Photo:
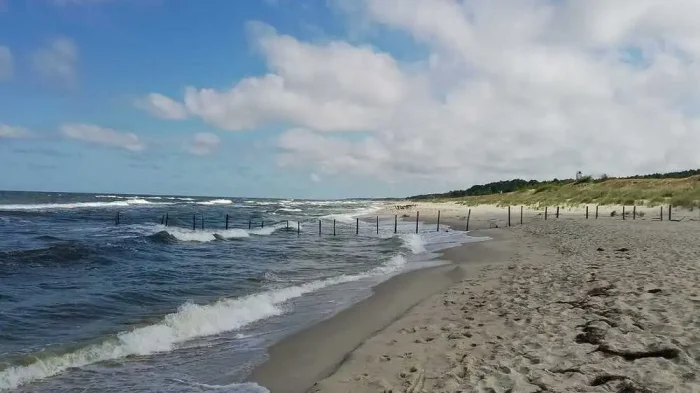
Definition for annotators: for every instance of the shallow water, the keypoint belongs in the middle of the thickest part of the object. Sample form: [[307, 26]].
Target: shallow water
[[87, 305]]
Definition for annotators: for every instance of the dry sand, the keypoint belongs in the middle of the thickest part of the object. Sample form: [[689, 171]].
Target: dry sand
[[489, 216], [555, 306]]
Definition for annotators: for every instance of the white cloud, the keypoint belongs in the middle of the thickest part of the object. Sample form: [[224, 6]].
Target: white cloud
[[203, 143], [57, 61], [13, 132], [314, 177], [103, 136], [510, 88], [6, 63], [163, 107]]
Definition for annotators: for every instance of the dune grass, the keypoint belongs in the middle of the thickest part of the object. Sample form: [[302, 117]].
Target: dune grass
[[683, 192]]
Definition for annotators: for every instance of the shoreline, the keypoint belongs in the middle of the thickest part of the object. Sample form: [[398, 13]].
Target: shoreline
[[298, 361]]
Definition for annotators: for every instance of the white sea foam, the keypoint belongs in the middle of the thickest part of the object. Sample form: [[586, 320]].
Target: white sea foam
[[247, 387], [286, 209], [189, 322], [137, 201], [79, 205], [350, 217], [187, 235], [216, 202], [269, 230], [415, 242]]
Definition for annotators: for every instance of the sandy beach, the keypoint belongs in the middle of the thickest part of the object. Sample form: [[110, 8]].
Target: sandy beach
[[567, 305]]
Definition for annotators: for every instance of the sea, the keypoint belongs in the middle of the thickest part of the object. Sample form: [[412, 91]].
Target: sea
[[143, 293]]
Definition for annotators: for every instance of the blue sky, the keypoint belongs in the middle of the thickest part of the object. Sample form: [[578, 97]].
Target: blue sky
[[127, 49], [341, 98]]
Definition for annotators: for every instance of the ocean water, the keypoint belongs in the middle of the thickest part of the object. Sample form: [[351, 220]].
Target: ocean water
[[87, 305]]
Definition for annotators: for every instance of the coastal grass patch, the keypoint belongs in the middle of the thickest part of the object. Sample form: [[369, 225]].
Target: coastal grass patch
[[683, 192]]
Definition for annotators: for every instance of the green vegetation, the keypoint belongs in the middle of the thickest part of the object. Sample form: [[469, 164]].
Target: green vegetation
[[676, 188]]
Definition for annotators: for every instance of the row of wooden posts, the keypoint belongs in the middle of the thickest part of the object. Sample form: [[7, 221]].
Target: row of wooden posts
[[166, 217], [165, 220]]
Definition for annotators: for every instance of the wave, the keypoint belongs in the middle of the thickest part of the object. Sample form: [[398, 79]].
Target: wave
[[80, 205], [174, 234], [216, 202], [415, 242], [269, 230], [246, 387], [286, 209], [67, 252], [350, 216], [171, 234], [190, 321]]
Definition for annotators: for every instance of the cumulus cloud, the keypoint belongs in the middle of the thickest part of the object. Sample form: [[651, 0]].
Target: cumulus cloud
[[103, 136], [510, 88], [6, 64], [163, 107], [57, 61], [13, 132], [203, 144]]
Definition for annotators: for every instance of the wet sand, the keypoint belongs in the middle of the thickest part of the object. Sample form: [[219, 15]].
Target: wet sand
[[298, 361]]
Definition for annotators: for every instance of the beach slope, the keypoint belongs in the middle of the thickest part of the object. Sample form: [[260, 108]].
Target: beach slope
[[576, 306]]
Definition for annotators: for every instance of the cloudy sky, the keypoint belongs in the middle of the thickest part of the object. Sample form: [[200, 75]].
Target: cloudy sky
[[342, 98]]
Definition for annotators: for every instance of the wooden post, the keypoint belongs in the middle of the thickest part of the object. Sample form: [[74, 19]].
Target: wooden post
[[469, 214], [377, 225], [670, 207], [287, 225], [545, 213], [396, 222], [298, 228], [227, 222], [438, 222], [634, 212], [194, 222], [162, 219], [250, 224], [319, 227], [262, 224], [586, 212], [357, 226], [508, 215], [521, 215], [596, 212], [117, 218], [417, 215], [334, 227], [202, 221], [623, 212], [661, 216], [557, 212], [166, 219]]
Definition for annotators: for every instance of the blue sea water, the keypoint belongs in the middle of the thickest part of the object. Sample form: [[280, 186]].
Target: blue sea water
[[97, 294]]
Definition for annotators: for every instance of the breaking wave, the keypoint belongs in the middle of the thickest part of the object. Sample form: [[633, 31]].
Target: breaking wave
[[216, 202], [190, 321], [80, 205]]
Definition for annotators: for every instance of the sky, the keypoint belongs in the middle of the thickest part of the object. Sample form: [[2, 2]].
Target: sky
[[342, 98]]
